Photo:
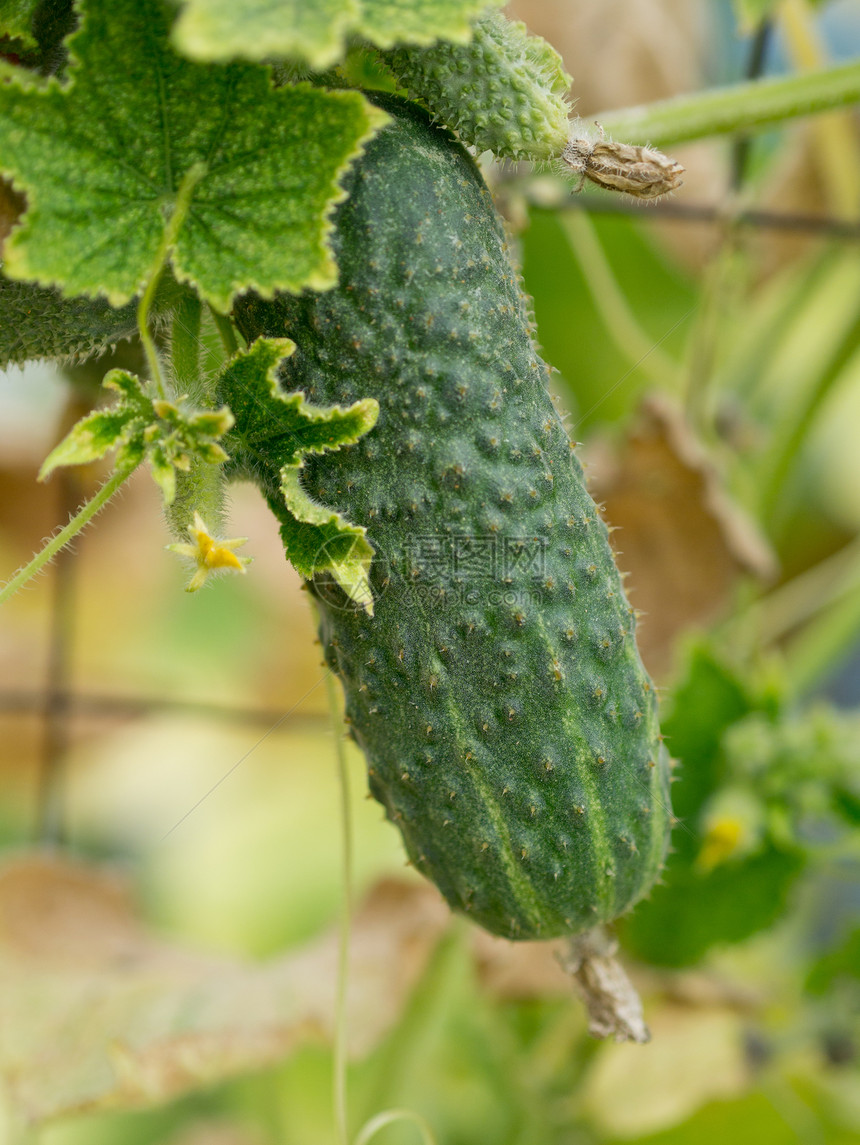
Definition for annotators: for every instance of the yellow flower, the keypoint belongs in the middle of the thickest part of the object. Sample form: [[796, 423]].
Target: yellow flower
[[211, 554], [723, 839]]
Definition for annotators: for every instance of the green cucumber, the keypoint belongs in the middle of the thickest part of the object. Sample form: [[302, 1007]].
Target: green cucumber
[[39, 322], [509, 726], [505, 91]]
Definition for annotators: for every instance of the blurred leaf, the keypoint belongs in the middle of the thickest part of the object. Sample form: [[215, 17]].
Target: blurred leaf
[[597, 375], [843, 962], [106, 160], [316, 33], [751, 1119], [695, 1056], [694, 908], [683, 540], [847, 804], [709, 698], [693, 911], [96, 1012], [274, 433], [16, 19]]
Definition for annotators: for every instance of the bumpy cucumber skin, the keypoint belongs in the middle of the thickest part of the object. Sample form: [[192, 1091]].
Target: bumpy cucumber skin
[[503, 92], [37, 322], [509, 726]]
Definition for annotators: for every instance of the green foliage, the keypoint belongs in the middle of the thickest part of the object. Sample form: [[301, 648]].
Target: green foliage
[[840, 963], [273, 435], [139, 427], [16, 20], [317, 33], [758, 785], [504, 92], [103, 161]]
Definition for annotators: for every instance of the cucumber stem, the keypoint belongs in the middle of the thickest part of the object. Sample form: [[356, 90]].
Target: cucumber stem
[[226, 330], [185, 345], [741, 107], [168, 240]]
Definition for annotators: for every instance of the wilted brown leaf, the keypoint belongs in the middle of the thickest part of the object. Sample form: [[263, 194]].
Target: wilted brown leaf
[[520, 969], [96, 1012], [679, 535]]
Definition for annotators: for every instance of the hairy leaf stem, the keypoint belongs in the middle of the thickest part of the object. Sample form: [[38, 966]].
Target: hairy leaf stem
[[168, 239], [82, 518], [226, 330]]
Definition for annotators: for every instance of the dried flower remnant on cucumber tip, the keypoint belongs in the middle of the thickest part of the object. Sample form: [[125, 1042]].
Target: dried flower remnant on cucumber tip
[[642, 172]]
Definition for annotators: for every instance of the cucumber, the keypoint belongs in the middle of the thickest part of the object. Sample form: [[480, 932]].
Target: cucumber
[[505, 91], [39, 322], [509, 727]]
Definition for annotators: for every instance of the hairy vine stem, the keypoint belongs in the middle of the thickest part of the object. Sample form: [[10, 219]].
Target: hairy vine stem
[[339, 1089], [82, 518]]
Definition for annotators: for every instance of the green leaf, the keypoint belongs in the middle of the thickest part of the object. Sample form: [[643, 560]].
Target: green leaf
[[91, 438], [103, 158], [696, 906], [841, 962], [317, 33], [707, 701], [273, 433], [692, 912], [16, 20], [167, 434]]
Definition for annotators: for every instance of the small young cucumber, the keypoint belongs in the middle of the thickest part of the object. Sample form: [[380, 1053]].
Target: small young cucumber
[[509, 726], [505, 91]]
